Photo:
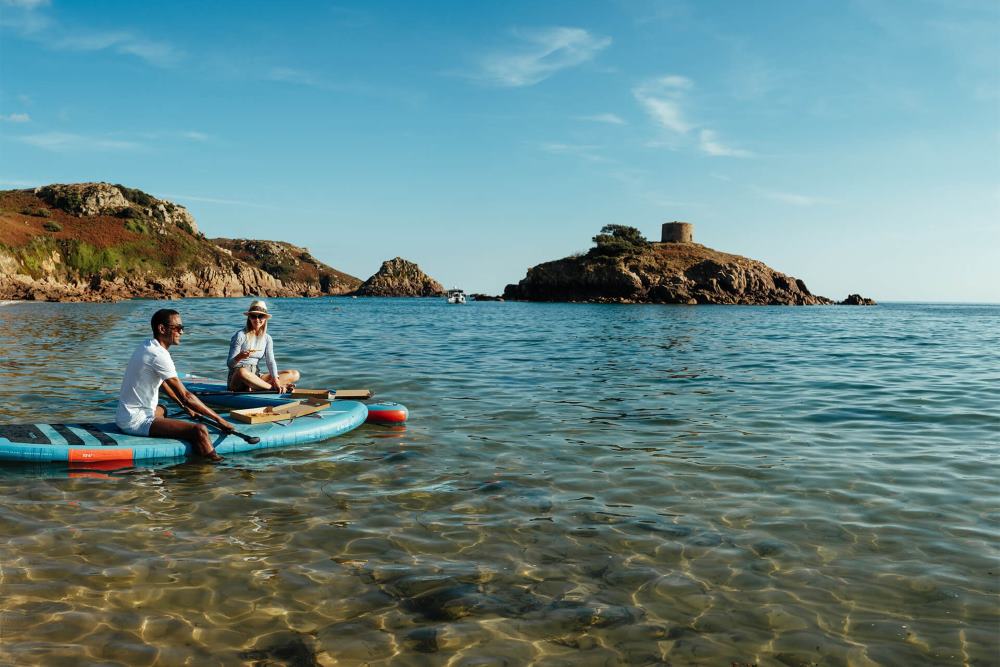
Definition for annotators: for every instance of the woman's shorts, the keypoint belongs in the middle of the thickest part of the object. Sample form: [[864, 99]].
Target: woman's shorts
[[138, 424]]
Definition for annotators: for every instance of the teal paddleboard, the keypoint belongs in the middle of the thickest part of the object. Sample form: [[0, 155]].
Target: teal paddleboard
[[84, 443]]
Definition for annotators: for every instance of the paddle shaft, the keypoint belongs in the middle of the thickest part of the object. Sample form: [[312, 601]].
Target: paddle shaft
[[238, 393], [352, 394], [252, 439]]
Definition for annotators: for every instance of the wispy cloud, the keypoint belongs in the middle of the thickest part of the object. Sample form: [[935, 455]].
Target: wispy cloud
[[24, 4], [607, 118], [542, 53], [661, 98], [709, 143], [194, 135], [216, 200], [792, 198], [296, 76], [28, 21], [664, 100], [65, 142], [16, 118], [125, 42]]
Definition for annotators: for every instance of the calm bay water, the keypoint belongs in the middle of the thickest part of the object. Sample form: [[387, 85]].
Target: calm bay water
[[578, 485]]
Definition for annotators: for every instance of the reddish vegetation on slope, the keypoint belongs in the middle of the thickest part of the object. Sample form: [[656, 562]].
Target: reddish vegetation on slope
[[17, 229]]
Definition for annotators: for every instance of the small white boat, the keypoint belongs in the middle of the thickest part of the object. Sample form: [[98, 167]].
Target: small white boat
[[456, 296]]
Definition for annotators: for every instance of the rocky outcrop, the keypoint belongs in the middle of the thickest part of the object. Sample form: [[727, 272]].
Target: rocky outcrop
[[485, 297], [679, 273], [399, 277], [98, 199], [295, 267], [102, 242], [857, 300]]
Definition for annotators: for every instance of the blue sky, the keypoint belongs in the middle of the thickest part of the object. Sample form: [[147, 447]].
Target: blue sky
[[853, 144]]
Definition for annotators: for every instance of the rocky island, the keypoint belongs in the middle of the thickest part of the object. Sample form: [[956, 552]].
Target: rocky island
[[399, 277], [623, 267]]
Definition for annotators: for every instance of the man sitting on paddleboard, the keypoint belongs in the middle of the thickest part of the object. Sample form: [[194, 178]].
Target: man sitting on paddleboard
[[139, 412], [246, 349]]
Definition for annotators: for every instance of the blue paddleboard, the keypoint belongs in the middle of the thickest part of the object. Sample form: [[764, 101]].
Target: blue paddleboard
[[82, 443]]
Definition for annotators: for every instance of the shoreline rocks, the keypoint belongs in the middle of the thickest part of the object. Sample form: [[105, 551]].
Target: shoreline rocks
[[294, 266]]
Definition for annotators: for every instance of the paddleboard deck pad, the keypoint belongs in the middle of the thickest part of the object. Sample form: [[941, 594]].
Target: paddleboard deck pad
[[85, 443], [215, 394]]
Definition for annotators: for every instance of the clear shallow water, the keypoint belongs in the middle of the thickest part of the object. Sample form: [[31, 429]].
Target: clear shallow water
[[577, 485]]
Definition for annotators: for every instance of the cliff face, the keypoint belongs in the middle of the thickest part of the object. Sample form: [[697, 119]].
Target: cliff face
[[686, 273], [295, 267], [102, 242], [399, 277]]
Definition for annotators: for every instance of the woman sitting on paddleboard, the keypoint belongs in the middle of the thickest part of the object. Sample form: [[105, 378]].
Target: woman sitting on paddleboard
[[248, 346]]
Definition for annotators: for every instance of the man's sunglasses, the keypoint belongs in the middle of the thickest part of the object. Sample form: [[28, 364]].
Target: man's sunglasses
[[178, 328]]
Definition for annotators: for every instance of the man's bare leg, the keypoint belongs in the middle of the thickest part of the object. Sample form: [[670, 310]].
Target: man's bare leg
[[196, 434]]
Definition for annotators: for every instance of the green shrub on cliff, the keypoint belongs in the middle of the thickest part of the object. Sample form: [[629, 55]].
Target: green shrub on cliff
[[136, 225], [87, 260], [136, 196], [37, 212], [617, 240], [34, 255], [52, 226], [67, 201]]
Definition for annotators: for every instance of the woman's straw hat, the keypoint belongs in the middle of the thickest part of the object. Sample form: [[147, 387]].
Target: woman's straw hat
[[258, 307]]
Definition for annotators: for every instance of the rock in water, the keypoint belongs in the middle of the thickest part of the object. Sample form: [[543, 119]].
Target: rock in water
[[399, 277], [625, 268], [858, 300]]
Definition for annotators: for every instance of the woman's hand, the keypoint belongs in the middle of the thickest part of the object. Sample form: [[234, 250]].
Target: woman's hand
[[279, 387], [244, 354]]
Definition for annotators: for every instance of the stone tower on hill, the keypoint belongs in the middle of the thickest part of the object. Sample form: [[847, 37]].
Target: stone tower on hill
[[677, 232]]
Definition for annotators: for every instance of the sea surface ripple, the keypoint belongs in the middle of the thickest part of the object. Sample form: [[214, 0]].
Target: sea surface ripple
[[577, 485]]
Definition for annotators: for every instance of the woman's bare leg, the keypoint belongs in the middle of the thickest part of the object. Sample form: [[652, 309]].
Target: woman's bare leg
[[243, 379], [288, 377]]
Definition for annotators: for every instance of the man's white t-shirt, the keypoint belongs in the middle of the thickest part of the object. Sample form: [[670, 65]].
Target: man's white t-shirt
[[149, 366]]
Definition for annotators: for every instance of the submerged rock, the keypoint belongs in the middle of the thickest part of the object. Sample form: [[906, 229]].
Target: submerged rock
[[285, 648]]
